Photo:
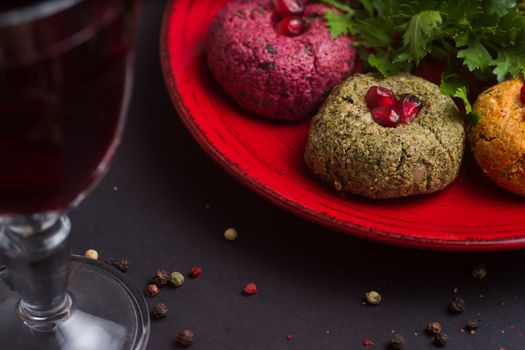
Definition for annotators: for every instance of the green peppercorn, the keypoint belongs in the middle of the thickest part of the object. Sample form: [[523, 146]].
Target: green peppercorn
[[176, 279], [372, 297]]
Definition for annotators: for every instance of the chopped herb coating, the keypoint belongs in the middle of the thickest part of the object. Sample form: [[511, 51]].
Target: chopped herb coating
[[352, 153]]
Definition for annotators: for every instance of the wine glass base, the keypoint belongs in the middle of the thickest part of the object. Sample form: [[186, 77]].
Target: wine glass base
[[107, 313]]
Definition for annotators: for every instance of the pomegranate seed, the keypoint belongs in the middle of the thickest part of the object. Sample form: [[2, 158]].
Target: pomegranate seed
[[385, 116], [378, 96], [408, 108], [289, 7], [522, 95], [291, 26]]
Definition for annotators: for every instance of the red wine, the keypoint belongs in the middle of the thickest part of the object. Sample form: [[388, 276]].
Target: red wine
[[62, 87]]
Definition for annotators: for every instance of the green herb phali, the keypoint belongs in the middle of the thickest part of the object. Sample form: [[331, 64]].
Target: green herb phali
[[486, 37]]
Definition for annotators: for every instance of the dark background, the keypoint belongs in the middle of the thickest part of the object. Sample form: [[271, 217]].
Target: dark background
[[165, 204]]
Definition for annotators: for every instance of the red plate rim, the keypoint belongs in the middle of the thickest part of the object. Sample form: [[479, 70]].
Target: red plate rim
[[361, 231]]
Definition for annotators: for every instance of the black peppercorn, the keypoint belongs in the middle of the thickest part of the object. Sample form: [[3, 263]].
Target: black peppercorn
[[479, 272], [457, 305], [434, 328], [161, 278], [472, 326], [121, 265], [185, 337], [159, 311], [440, 339], [397, 342]]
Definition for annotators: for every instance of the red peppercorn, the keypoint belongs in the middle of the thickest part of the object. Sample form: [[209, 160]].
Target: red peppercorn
[[250, 288], [152, 290], [368, 342], [522, 94], [289, 337], [195, 272]]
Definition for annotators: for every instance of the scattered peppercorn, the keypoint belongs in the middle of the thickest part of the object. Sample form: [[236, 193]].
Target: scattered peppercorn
[[372, 297], [176, 279], [250, 289], [91, 254], [472, 326], [161, 278], [159, 311], [195, 272], [457, 305], [152, 290], [185, 337], [121, 265], [368, 342], [440, 339], [397, 342], [230, 234], [479, 272], [434, 328]]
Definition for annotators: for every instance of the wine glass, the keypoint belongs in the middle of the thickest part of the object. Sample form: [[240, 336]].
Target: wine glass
[[64, 83]]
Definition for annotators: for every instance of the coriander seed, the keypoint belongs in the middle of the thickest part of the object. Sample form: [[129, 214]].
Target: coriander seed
[[479, 272], [185, 337], [161, 278], [397, 342], [434, 328], [372, 297], [230, 234], [159, 311], [91, 254], [457, 305], [176, 279], [440, 340]]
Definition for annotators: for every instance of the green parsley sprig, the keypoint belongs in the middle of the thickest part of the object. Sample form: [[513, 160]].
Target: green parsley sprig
[[487, 37]]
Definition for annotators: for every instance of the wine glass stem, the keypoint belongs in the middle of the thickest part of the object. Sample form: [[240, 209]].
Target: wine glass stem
[[37, 252]]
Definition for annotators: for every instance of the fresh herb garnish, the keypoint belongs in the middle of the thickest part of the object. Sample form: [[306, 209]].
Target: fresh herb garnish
[[486, 37]]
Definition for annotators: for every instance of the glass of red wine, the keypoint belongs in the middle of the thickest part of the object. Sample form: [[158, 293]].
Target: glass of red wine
[[65, 75]]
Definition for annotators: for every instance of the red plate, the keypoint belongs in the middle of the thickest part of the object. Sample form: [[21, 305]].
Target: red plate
[[472, 214]]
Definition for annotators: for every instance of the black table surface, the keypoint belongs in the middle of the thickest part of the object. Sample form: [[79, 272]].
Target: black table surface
[[165, 205]]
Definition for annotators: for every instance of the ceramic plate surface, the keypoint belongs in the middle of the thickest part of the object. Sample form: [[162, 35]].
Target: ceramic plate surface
[[472, 214]]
